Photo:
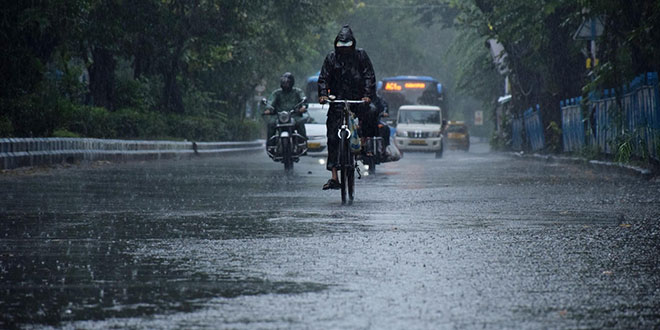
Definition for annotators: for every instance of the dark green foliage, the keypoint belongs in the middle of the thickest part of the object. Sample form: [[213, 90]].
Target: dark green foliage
[[149, 68], [89, 121], [631, 39], [197, 128], [6, 127], [545, 64]]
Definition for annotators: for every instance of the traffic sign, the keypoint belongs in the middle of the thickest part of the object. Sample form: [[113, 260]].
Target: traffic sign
[[478, 118]]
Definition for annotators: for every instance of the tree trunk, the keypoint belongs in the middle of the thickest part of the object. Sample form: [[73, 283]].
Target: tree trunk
[[172, 96], [102, 78], [142, 57]]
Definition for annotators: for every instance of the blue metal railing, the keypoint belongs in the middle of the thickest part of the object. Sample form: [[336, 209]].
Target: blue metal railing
[[606, 128], [573, 136], [534, 128], [636, 120], [516, 134]]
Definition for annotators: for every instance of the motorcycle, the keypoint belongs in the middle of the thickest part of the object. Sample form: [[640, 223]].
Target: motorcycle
[[373, 152], [286, 145]]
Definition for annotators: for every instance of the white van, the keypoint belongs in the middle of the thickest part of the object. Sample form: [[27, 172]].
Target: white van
[[419, 128], [317, 141]]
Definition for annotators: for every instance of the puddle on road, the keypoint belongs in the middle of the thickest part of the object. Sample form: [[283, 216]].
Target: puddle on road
[[171, 225], [54, 304], [47, 281], [59, 267]]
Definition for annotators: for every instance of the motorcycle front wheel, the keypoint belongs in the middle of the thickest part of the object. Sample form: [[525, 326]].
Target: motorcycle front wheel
[[286, 154]]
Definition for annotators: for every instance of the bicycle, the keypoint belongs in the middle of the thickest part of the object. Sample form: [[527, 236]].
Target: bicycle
[[346, 161]]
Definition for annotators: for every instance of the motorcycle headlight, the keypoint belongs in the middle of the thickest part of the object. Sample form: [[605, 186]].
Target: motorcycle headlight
[[401, 133], [283, 116]]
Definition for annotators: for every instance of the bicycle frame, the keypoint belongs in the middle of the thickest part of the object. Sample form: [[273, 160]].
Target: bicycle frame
[[346, 159]]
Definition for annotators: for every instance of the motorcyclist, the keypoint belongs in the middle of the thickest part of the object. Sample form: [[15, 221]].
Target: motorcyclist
[[348, 74], [284, 99]]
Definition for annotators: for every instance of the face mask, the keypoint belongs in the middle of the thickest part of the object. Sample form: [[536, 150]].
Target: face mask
[[344, 50]]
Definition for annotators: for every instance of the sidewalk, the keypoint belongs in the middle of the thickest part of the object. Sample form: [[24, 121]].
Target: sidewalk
[[646, 173]]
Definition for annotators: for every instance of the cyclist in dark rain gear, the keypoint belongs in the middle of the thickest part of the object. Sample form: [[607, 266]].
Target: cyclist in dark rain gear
[[348, 74]]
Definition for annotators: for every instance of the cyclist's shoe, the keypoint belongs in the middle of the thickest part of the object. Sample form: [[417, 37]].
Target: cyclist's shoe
[[331, 184]]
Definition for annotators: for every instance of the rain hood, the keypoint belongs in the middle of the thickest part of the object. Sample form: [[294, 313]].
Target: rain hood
[[345, 36]]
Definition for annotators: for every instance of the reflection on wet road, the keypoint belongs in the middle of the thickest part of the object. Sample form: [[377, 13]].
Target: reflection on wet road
[[471, 240]]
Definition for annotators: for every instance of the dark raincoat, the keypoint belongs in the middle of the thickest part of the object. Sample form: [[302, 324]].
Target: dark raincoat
[[349, 75]]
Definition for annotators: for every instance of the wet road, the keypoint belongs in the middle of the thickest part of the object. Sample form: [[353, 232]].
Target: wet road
[[473, 240]]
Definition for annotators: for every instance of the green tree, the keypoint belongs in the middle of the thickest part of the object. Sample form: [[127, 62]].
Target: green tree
[[630, 41]]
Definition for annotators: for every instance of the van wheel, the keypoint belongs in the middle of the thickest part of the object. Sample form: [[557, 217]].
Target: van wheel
[[438, 154]]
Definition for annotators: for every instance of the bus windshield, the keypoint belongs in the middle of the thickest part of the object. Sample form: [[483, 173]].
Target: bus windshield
[[412, 93], [312, 89]]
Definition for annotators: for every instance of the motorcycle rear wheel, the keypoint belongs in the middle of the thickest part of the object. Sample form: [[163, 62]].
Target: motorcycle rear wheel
[[371, 162]]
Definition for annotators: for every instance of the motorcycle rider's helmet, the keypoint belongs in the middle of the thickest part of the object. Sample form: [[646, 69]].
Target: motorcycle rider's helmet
[[287, 81]]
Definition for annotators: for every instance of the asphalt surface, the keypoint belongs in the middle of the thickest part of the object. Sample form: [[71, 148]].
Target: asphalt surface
[[473, 240]]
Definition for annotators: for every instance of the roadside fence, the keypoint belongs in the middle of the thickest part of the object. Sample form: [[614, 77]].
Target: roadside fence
[[534, 128], [572, 125], [20, 152], [516, 136], [527, 130], [635, 123]]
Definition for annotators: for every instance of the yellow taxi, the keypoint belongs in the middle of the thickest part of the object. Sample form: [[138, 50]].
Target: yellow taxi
[[457, 136]]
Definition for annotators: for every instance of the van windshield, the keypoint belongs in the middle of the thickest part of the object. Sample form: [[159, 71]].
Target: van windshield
[[317, 116], [419, 117]]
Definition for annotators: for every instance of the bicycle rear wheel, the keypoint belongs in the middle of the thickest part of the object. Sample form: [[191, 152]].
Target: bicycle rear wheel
[[350, 173], [343, 179]]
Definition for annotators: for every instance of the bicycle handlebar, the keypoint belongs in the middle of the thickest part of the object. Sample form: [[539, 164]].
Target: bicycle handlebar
[[345, 101]]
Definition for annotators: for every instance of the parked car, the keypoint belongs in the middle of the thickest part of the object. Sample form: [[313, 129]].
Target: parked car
[[419, 128], [317, 141], [458, 136]]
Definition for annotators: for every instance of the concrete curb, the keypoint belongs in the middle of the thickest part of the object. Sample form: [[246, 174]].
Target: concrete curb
[[640, 172], [22, 152]]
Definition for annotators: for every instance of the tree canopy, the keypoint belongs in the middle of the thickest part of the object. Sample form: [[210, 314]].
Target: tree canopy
[[198, 58], [188, 69]]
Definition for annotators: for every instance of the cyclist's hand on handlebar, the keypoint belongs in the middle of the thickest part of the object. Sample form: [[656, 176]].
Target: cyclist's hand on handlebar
[[385, 114], [323, 99], [366, 99]]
